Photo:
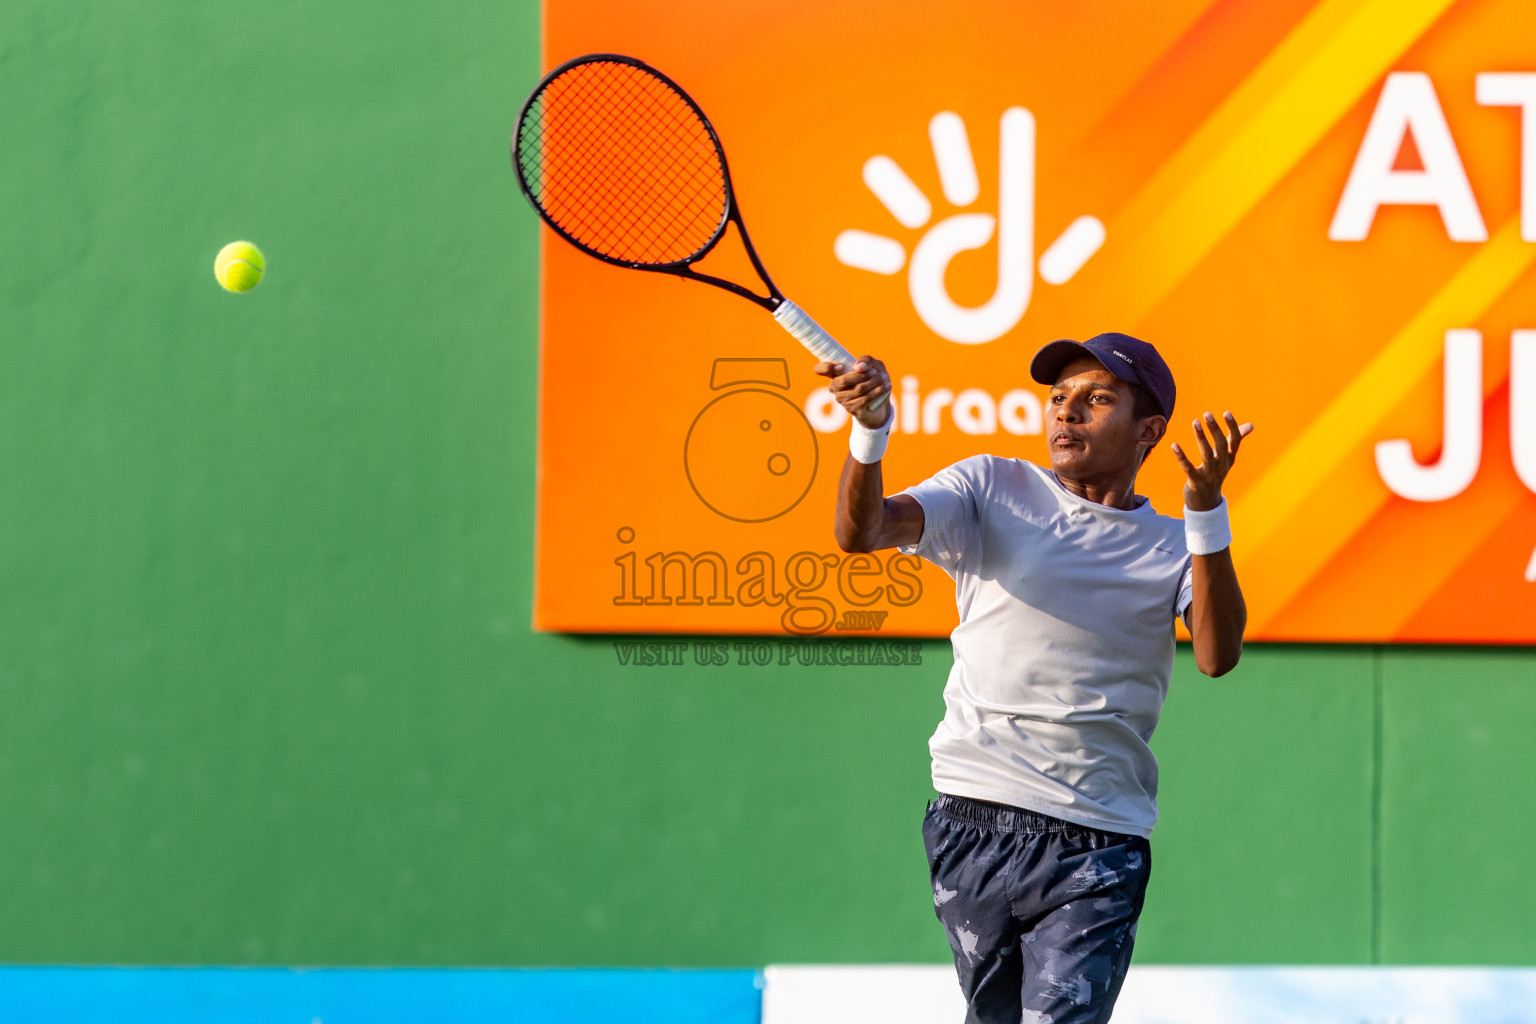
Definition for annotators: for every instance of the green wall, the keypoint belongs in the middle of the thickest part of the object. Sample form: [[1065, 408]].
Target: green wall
[[267, 689]]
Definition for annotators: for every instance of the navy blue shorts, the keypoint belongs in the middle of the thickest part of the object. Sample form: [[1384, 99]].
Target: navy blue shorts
[[1040, 913]]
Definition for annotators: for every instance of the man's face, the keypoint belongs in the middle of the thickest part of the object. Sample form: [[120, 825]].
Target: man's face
[[1090, 423]]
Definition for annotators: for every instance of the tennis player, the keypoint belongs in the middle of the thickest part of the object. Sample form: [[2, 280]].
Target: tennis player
[[1067, 583]]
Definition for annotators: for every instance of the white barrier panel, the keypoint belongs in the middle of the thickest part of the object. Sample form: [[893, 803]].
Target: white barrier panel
[[1177, 995], [861, 995]]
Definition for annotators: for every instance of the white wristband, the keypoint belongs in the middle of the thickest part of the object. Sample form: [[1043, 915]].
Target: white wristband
[[1206, 533], [868, 446]]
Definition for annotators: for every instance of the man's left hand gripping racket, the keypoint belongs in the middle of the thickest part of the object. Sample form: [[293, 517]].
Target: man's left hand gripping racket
[[625, 166]]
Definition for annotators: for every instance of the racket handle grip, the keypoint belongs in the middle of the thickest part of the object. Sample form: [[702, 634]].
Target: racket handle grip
[[811, 334], [815, 338]]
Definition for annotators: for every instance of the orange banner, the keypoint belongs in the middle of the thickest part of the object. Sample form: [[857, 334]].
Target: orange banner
[[1322, 213]]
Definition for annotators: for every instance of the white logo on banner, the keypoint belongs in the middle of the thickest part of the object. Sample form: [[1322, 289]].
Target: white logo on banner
[[1014, 225]]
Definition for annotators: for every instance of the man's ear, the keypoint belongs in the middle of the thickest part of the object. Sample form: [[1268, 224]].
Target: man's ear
[[1151, 431]]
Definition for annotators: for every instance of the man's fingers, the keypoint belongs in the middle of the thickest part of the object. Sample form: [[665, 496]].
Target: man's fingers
[[1178, 453], [867, 365], [1218, 437], [1206, 454], [1236, 432], [848, 381], [867, 386], [863, 364], [851, 376]]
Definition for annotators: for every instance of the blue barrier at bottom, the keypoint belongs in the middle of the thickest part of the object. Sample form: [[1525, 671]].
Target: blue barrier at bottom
[[330, 995]]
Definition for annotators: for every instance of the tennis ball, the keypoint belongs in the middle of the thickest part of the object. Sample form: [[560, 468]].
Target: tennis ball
[[239, 266]]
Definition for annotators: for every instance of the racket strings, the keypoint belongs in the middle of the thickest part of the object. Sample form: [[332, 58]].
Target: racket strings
[[623, 164], [673, 217], [677, 206]]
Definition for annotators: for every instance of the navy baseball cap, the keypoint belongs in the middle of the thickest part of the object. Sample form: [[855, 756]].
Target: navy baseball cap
[[1128, 358]]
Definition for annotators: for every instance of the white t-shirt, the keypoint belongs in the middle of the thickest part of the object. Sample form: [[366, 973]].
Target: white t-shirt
[[1065, 643]]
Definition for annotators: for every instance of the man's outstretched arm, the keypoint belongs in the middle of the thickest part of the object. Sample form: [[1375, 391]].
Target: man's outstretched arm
[[866, 519], [1217, 614]]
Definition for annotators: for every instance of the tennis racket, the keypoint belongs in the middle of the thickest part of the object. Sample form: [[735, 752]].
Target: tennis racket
[[624, 165]]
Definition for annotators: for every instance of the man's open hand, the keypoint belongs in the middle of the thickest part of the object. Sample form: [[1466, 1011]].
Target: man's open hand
[[859, 386], [1202, 484]]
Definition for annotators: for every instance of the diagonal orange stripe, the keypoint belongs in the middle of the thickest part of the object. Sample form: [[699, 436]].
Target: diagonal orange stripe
[[1287, 550], [1506, 544], [1376, 390], [1270, 122], [1440, 536], [1450, 550], [1158, 112], [1181, 24]]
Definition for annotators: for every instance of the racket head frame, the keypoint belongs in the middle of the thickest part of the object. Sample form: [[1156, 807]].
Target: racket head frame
[[678, 268]]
